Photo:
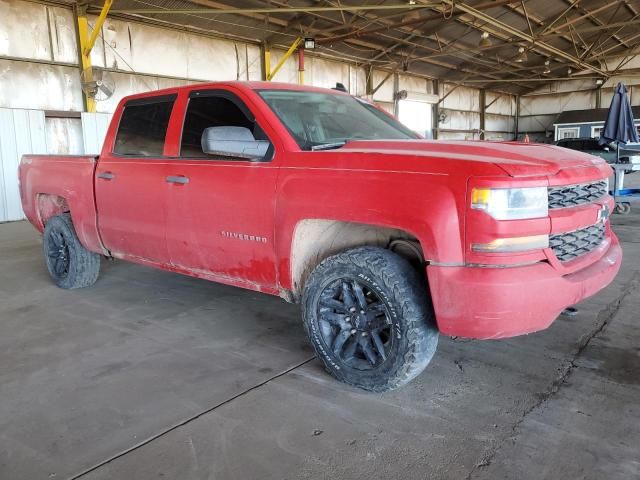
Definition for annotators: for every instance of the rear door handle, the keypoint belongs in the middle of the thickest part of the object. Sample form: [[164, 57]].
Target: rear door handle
[[106, 175], [177, 179]]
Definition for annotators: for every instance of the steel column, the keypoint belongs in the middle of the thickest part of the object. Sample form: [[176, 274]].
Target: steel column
[[286, 56], [483, 109], [87, 42], [301, 66]]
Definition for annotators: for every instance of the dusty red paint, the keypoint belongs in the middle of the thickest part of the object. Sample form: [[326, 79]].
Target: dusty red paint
[[50, 206], [418, 186]]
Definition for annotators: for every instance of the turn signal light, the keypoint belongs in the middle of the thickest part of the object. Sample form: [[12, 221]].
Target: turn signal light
[[514, 244]]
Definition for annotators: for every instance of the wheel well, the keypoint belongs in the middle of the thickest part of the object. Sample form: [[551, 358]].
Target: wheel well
[[51, 205], [314, 240]]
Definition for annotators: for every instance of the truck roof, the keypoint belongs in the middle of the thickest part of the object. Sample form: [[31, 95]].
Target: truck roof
[[246, 85]]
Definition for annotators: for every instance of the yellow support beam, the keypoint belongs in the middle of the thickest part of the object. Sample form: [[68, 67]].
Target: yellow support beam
[[83, 34], [301, 66], [97, 27], [267, 63], [292, 48], [87, 42]]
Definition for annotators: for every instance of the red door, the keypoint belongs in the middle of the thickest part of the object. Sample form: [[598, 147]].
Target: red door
[[130, 182], [220, 210]]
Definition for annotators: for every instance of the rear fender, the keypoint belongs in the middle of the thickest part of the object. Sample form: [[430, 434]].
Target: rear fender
[[55, 184], [50, 206]]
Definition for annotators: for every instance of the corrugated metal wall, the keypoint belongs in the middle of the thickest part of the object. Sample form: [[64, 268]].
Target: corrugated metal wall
[[540, 109], [94, 129], [143, 57], [460, 114], [64, 136], [28, 131], [23, 131]]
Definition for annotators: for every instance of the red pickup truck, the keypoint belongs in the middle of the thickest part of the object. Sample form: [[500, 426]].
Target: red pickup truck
[[319, 197]]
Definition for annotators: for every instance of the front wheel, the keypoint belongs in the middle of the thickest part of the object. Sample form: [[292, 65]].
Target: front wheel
[[369, 318], [69, 263]]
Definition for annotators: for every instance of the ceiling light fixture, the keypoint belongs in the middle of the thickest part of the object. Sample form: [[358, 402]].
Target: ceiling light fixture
[[309, 43], [546, 66], [485, 41], [522, 55]]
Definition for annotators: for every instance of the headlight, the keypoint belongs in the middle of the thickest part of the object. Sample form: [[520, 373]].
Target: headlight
[[511, 203]]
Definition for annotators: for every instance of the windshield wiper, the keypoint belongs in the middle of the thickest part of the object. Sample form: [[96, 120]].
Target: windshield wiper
[[328, 146]]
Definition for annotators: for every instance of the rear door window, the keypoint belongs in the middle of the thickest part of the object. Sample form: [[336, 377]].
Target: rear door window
[[143, 127]]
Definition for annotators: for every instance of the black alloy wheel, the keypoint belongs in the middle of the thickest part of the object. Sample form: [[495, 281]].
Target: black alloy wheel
[[369, 317], [354, 324], [70, 265], [58, 253]]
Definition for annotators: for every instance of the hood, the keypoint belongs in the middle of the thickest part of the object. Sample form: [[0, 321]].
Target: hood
[[516, 159]]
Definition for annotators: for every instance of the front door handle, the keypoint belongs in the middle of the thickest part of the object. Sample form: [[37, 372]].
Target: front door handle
[[177, 179], [106, 175]]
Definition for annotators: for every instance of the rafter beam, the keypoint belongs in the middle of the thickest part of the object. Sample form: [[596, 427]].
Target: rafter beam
[[591, 15], [609, 26], [542, 23], [537, 44], [362, 32], [269, 10], [586, 14]]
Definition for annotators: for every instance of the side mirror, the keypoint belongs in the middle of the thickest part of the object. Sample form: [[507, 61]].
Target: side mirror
[[233, 142]]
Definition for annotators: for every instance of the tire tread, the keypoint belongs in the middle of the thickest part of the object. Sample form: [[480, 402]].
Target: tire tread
[[86, 265], [410, 293]]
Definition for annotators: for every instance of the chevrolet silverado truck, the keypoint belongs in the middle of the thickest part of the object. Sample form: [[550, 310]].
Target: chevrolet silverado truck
[[385, 239]]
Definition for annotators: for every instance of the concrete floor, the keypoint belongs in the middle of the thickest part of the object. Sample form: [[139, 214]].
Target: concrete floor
[[154, 375]]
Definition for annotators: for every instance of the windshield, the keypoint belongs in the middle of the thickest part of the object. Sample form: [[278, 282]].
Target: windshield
[[323, 120]]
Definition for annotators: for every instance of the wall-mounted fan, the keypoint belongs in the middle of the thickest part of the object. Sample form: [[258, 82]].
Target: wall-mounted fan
[[97, 83]]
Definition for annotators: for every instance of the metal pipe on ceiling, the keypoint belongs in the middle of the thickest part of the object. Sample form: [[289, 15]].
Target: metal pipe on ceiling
[[526, 80], [608, 26], [536, 43], [406, 23], [244, 11]]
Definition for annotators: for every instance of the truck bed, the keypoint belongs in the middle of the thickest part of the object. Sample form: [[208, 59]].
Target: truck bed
[[53, 184]]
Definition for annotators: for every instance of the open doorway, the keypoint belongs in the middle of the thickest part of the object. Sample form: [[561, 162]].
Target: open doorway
[[417, 116]]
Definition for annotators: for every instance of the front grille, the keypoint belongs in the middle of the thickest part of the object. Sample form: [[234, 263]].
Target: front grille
[[572, 195], [570, 245]]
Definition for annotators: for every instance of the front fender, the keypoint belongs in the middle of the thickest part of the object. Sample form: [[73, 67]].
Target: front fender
[[423, 205]]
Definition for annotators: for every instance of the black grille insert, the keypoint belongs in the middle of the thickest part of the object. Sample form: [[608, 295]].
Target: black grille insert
[[572, 195], [570, 245]]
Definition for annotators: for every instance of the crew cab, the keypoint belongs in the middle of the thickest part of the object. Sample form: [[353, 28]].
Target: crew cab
[[385, 239]]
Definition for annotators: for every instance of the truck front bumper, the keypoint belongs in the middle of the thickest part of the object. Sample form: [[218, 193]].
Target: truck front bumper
[[490, 302]]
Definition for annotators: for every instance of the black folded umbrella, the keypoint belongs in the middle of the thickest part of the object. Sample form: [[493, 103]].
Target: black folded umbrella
[[619, 127]]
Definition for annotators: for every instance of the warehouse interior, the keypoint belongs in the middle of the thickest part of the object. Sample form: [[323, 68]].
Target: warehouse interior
[[150, 374]]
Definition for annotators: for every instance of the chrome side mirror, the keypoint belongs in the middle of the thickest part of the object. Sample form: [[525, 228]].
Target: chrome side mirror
[[236, 142]]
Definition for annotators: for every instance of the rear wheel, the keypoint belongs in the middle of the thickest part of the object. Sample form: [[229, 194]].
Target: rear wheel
[[369, 318], [69, 263]]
